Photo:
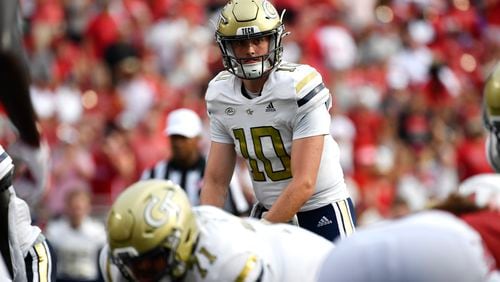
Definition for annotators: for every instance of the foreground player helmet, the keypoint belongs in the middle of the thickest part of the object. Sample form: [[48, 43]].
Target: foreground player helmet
[[152, 231], [491, 114], [250, 19]]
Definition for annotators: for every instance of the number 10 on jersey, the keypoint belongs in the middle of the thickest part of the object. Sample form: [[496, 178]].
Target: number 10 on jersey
[[257, 135]]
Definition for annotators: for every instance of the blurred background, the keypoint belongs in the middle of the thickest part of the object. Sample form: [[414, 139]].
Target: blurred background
[[406, 78]]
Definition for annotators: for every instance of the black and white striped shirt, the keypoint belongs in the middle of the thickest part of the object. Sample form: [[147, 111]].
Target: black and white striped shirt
[[191, 180]]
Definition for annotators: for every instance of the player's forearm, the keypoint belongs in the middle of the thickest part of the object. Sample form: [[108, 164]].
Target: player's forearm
[[290, 201], [213, 194]]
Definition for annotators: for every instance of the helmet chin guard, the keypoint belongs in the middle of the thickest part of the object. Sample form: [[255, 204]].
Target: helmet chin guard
[[251, 70]]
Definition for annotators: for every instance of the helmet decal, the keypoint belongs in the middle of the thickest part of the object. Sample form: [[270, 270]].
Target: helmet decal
[[247, 30], [165, 208], [269, 10]]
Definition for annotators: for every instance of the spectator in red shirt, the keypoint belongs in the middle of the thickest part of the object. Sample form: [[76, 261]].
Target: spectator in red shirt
[[102, 31], [471, 156]]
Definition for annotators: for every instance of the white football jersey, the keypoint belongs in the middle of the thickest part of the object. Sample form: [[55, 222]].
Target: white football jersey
[[4, 273], [79, 249], [426, 246], [231, 248], [293, 104]]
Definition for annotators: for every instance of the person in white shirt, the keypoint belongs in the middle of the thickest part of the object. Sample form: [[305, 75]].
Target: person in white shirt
[[275, 115], [154, 234], [77, 238]]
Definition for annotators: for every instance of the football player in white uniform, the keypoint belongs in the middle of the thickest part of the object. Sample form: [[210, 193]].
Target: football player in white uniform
[[24, 249], [426, 246], [275, 115], [491, 114], [155, 235]]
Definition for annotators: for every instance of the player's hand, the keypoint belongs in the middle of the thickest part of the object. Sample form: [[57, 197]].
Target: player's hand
[[32, 170], [265, 221], [293, 221]]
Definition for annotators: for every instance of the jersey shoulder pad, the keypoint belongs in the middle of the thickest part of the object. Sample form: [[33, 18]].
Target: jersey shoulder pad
[[220, 83], [305, 79], [309, 87]]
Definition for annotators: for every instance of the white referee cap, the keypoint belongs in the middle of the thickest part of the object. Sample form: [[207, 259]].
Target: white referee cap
[[184, 122]]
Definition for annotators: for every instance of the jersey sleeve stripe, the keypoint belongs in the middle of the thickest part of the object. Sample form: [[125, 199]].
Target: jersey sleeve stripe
[[304, 81], [43, 261], [311, 94], [247, 269]]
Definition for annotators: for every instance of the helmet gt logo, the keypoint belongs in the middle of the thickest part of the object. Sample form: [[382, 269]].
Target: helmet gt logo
[[165, 207]]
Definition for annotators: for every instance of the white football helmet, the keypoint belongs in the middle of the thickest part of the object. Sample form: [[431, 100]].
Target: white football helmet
[[249, 19]]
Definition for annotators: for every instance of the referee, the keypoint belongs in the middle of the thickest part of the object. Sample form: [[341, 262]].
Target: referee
[[187, 165]]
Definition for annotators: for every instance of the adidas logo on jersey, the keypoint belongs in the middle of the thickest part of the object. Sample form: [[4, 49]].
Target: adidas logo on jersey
[[324, 221], [270, 107]]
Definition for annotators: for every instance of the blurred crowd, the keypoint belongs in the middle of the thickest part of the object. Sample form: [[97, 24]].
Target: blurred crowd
[[405, 75]]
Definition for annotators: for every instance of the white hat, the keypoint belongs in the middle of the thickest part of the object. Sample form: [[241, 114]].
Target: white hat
[[183, 122]]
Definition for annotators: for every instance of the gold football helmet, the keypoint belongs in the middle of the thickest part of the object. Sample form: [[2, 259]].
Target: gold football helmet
[[491, 116], [250, 19], [152, 231]]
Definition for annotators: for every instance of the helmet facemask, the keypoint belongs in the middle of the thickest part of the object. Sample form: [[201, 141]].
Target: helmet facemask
[[158, 264], [266, 62]]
